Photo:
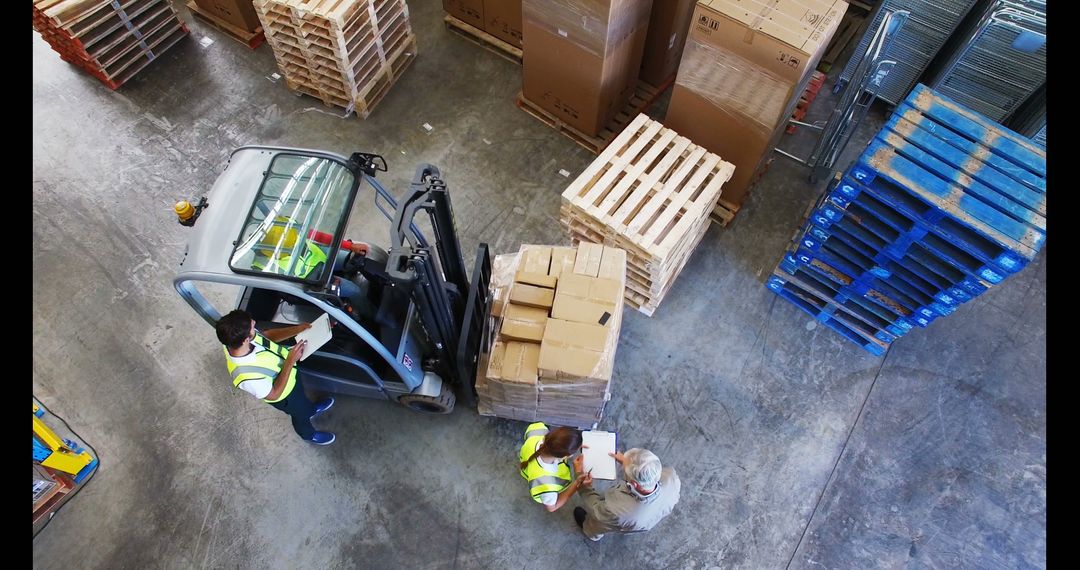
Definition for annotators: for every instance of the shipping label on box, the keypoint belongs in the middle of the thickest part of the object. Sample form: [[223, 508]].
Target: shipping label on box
[[523, 323], [585, 299]]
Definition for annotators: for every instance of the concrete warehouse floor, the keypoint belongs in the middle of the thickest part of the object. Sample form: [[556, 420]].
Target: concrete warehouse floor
[[796, 448]]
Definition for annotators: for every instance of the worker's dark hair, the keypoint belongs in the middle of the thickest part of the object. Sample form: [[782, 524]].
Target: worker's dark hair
[[559, 442], [233, 329]]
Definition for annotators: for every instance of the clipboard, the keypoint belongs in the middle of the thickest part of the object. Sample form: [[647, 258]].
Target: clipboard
[[595, 456], [318, 335]]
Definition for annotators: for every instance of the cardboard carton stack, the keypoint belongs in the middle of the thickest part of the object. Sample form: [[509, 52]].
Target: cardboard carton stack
[[500, 18], [111, 41], [348, 53], [582, 58], [668, 26], [650, 192], [745, 64], [557, 314]]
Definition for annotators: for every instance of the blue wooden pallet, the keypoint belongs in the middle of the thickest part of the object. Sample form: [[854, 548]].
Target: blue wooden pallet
[[912, 269], [1018, 205], [837, 270], [912, 190], [848, 268], [887, 324], [905, 239], [912, 251], [1005, 178], [995, 139], [825, 314], [987, 259]]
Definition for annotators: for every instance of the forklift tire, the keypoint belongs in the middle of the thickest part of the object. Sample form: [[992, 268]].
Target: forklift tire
[[441, 404]]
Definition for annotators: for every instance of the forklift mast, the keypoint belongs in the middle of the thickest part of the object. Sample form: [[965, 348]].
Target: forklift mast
[[437, 281]]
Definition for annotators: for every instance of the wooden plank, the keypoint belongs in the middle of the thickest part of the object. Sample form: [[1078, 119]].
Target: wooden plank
[[250, 39], [483, 39]]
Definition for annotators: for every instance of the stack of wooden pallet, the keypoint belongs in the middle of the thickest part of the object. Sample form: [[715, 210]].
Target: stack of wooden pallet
[[345, 52], [941, 206], [111, 40], [650, 193]]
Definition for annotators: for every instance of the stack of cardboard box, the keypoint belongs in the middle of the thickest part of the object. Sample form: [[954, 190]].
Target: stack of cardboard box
[[582, 58], [557, 314], [745, 64], [500, 18], [668, 26]]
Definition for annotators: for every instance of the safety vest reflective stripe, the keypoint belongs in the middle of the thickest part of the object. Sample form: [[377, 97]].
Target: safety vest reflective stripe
[[312, 256], [268, 364], [536, 432], [548, 480], [252, 370]]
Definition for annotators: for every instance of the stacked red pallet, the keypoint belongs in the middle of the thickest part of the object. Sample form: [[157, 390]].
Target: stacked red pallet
[[113, 40]]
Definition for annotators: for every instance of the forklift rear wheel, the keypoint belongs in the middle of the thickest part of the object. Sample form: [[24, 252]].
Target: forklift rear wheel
[[441, 404]]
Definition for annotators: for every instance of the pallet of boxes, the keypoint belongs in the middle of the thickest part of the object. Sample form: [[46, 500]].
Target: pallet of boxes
[[556, 314], [745, 65]]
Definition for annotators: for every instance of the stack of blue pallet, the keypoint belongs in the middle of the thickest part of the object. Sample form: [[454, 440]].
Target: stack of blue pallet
[[942, 205]]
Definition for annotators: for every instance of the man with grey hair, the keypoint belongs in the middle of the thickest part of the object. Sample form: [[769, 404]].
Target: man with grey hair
[[647, 494]]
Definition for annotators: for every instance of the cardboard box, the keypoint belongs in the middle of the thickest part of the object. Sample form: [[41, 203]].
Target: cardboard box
[[668, 27], [562, 259], [469, 11], [535, 259], [585, 299], [588, 259], [538, 279], [495, 360], [523, 323], [520, 362], [581, 59], [531, 295], [745, 64], [239, 13], [502, 19], [573, 350], [613, 264]]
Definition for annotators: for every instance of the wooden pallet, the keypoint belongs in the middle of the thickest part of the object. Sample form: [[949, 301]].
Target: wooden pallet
[[347, 53], [250, 39], [110, 41], [651, 193], [641, 101], [483, 39]]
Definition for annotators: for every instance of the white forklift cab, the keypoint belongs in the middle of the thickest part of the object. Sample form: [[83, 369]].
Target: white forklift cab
[[407, 323]]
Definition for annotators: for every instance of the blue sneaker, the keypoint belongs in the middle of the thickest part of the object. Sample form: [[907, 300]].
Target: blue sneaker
[[323, 438], [323, 406]]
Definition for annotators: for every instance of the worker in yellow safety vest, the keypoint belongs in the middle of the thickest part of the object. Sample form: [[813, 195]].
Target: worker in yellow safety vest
[[282, 237], [265, 369], [543, 459]]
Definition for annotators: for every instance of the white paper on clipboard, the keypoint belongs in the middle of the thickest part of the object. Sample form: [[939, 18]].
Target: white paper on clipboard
[[318, 335], [596, 457]]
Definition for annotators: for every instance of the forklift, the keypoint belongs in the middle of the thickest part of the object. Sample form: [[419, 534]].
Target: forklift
[[407, 323]]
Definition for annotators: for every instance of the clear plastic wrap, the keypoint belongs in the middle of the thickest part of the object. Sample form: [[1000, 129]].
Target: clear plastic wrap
[[589, 24], [734, 84], [557, 397]]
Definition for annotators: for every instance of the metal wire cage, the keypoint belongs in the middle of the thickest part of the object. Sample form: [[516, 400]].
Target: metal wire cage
[[1001, 61]]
